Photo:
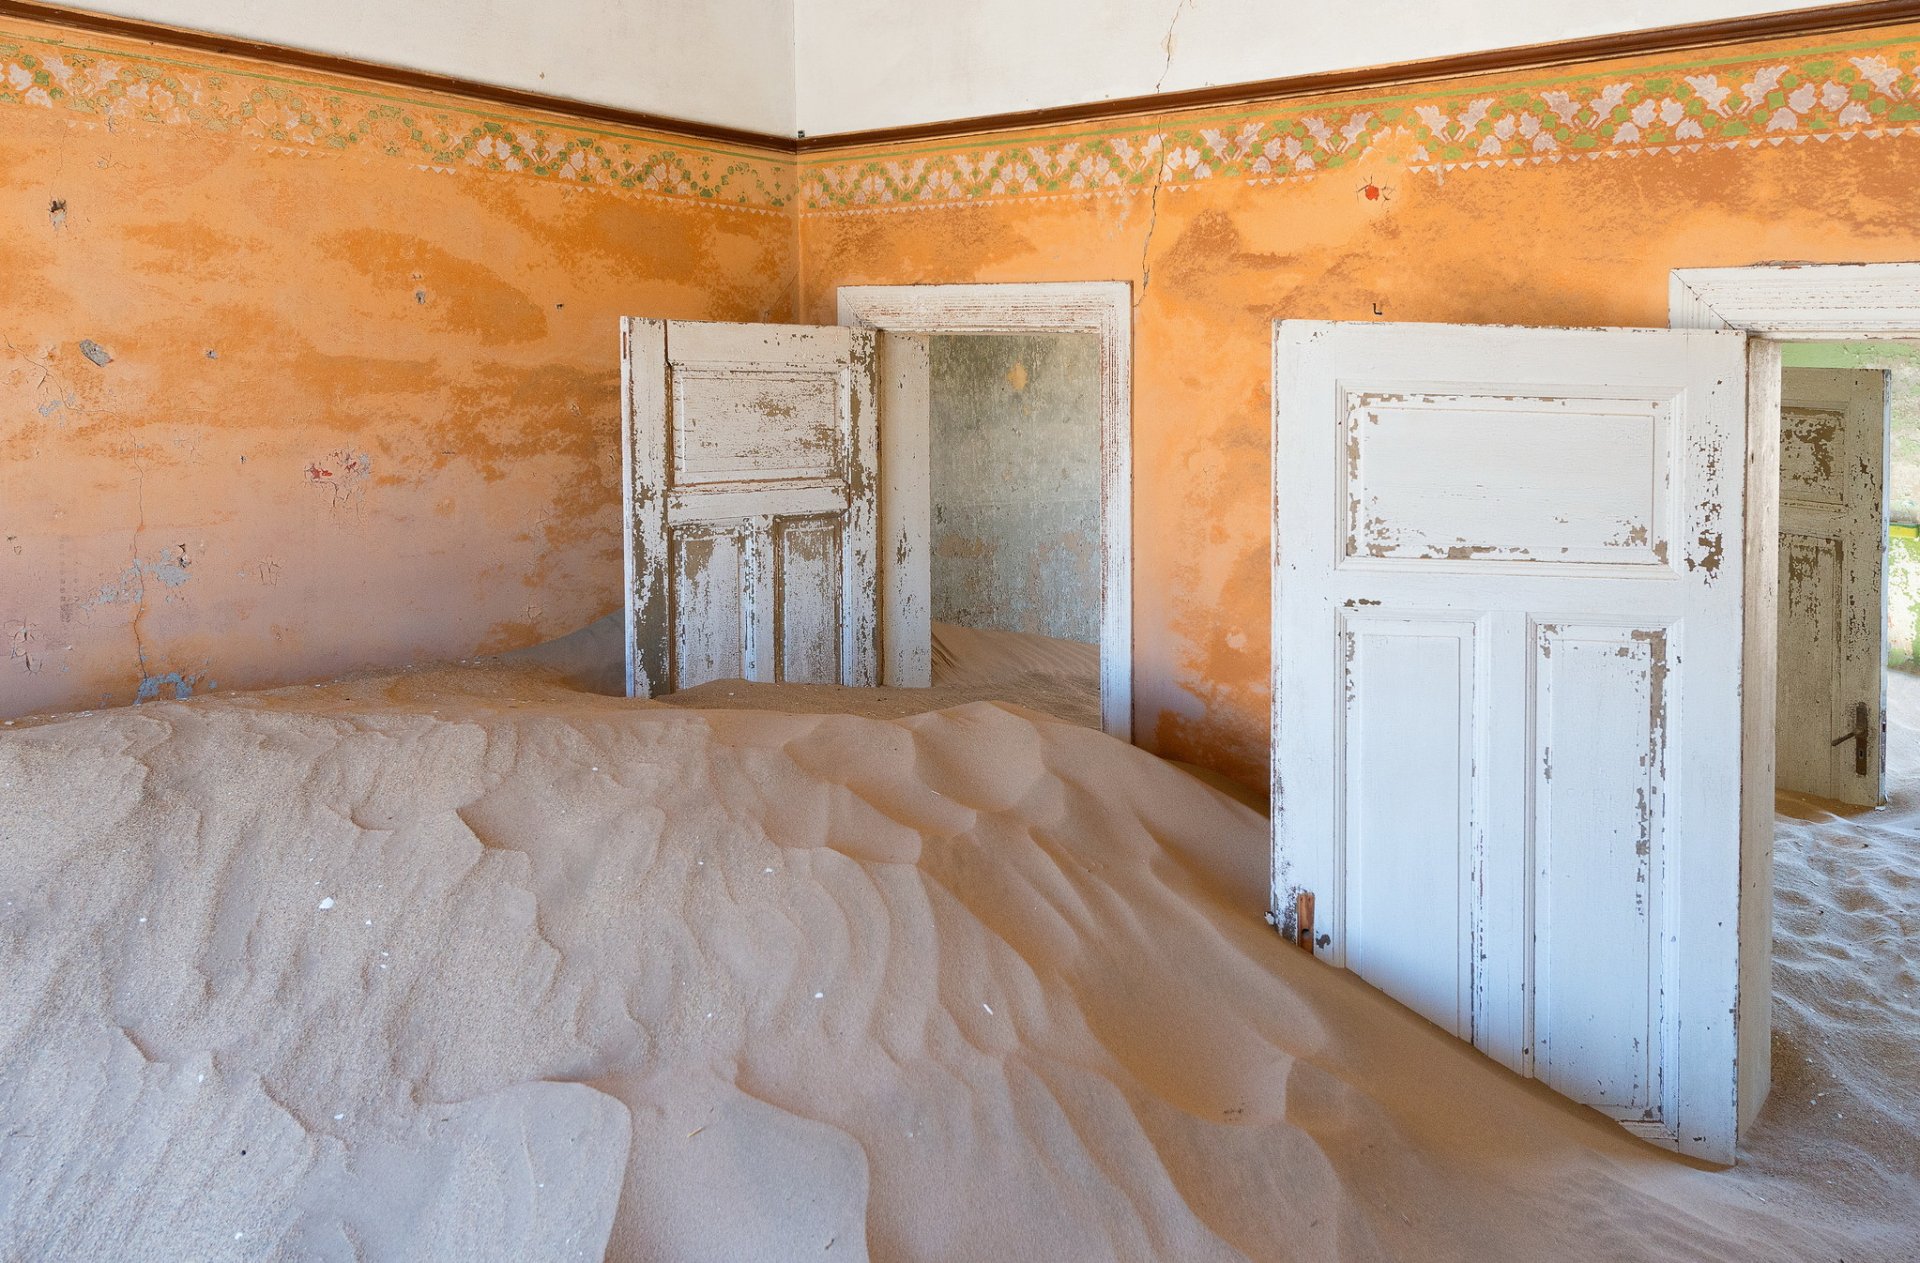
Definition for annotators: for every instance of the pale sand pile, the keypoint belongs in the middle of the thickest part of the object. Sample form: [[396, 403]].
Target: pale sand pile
[[465, 964], [1842, 1125]]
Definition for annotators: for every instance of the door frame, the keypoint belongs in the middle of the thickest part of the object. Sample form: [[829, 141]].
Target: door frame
[[1774, 303], [1102, 308]]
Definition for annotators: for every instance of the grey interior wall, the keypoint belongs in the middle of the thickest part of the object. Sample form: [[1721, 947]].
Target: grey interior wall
[[1016, 483]]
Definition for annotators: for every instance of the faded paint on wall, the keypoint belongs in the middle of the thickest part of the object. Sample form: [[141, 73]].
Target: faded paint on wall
[[1015, 430], [280, 272], [1563, 198], [303, 377]]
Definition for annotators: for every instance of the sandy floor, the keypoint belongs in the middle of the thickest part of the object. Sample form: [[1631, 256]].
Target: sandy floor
[[469, 964], [1056, 677], [1841, 1129]]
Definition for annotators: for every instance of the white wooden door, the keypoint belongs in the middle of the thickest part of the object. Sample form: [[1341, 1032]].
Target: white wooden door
[[1831, 720], [1507, 607], [749, 457]]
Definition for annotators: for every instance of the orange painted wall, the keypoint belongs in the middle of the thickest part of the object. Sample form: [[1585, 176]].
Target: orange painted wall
[[361, 403], [360, 409], [1430, 208]]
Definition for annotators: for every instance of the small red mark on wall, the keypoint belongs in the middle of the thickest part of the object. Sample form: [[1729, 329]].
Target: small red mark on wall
[[343, 473], [1375, 192], [338, 467]]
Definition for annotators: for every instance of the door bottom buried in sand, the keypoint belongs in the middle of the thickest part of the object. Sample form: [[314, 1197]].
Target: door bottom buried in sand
[[748, 492], [1507, 720]]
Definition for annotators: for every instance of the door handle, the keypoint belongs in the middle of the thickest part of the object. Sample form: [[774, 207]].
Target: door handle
[[1862, 736]]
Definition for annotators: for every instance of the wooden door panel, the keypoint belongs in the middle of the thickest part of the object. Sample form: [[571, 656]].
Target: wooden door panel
[[808, 565], [1493, 550], [1832, 624], [733, 424], [1408, 736], [1600, 716], [709, 567], [1809, 702], [750, 456], [1578, 480]]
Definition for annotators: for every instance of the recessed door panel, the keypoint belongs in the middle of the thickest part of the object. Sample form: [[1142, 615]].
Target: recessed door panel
[[807, 574], [707, 565], [1600, 705], [1407, 814], [1577, 479], [738, 424]]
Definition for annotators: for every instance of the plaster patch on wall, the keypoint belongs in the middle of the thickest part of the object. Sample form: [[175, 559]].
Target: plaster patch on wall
[[177, 683], [131, 585]]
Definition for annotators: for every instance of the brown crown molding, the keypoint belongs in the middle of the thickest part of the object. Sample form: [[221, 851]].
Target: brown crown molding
[[380, 72], [1791, 24]]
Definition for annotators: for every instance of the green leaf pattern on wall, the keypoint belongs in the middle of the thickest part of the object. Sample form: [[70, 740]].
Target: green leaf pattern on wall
[[97, 87], [1867, 91]]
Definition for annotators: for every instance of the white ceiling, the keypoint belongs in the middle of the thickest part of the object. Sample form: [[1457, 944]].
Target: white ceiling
[[860, 65], [829, 66], [714, 61]]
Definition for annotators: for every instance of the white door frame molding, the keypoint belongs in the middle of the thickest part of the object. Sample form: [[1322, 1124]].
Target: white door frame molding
[[1102, 308], [1775, 303], [1799, 302]]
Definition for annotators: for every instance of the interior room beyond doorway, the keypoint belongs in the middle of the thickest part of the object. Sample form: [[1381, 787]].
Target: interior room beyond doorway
[[1016, 521], [1849, 570]]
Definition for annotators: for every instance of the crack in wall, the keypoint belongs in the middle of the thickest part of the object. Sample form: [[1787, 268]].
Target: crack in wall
[[1160, 171], [140, 578]]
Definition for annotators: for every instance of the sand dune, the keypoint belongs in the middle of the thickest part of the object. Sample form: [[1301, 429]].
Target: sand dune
[[465, 964]]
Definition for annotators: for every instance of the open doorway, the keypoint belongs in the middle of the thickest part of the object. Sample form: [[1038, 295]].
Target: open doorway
[[1096, 317], [1849, 598], [1846, 842], [1014, 445]]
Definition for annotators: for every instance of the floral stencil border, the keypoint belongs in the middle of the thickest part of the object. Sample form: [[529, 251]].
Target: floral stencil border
[[116, 88], [1861, 90]]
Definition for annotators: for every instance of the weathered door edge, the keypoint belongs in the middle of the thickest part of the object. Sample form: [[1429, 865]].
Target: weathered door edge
[[1885, 543], [1103, 308], [643, 387], [860, 654], [1759, 665], [905, 517]]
